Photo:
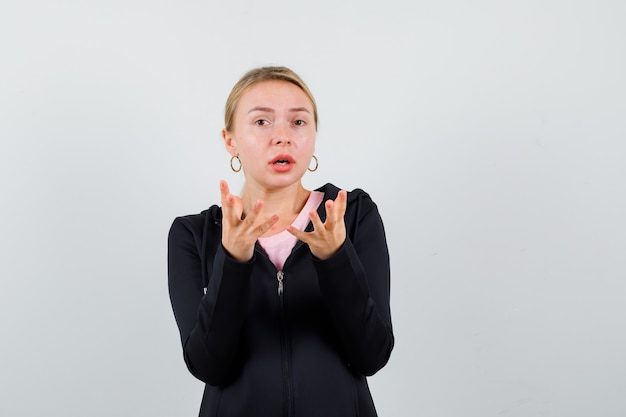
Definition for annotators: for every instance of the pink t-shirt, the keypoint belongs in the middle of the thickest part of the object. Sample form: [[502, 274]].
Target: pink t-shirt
[[279, 246]]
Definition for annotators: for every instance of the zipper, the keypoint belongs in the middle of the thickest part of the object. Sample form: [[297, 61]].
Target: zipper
[[280, 275], [286, 350], [285, 346]]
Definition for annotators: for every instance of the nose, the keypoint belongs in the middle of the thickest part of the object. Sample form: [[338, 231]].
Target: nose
[[282, 135]]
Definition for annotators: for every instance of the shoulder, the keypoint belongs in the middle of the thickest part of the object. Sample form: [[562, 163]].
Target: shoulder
[[359, 201], [356, 196], [196, 224]]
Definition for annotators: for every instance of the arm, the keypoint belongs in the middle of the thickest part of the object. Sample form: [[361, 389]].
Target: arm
[[355, 282], [209, 324]]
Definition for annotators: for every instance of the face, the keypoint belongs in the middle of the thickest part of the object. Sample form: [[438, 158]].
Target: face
[[273, 134]]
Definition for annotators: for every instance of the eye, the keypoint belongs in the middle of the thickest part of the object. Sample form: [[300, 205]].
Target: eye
[[261, 122], [299, 123]]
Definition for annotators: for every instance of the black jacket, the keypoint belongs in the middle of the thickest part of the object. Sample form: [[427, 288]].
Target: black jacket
[[304, 352]]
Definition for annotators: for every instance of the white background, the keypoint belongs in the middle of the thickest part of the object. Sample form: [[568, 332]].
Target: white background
[[492, 135]]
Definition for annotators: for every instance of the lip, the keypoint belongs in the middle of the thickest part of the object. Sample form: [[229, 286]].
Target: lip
[[283, 157], [282, 167]]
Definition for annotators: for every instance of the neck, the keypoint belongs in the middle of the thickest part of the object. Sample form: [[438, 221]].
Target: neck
[[285, 201]]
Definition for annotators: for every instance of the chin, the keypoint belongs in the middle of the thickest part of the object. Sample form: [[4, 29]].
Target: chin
[[283, 182]]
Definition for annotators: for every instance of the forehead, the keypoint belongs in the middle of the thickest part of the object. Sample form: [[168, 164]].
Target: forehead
[[275, 94]]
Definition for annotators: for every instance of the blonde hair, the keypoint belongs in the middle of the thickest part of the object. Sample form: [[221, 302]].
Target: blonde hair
[[256, 76]]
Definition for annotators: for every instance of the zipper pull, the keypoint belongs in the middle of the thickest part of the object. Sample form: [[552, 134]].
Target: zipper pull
[[280, 276]]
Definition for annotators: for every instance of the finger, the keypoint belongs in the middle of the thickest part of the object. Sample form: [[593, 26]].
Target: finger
[[315, 219], [341, 202], [227, 200], [331, 217], [339, 207], [237, 205], [224, 191], [231, 210], [266, 225], [303, 236], [257, 209]]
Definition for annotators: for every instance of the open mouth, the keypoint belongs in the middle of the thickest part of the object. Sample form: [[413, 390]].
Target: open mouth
[[282, 160]]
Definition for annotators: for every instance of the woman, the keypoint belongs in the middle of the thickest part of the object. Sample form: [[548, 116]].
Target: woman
[[281, 295]]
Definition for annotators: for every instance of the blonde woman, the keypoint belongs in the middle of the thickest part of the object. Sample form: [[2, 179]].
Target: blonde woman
[[281, 294]]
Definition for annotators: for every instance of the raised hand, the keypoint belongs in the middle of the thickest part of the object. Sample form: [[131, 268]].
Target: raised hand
[[326, 238], [239, 235]]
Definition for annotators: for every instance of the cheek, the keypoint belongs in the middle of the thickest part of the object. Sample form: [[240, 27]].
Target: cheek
[[254, 136], [311, 142], [306, 136], [250, 147]]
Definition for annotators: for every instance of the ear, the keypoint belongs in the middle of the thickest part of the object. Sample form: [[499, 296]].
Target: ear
[[229, 143]]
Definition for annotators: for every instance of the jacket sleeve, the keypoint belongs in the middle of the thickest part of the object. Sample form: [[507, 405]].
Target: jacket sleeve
[[355, 283], [209, 324]]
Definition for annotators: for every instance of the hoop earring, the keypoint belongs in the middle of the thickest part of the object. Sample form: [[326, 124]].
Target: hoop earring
[[231, 163], [317, 164]]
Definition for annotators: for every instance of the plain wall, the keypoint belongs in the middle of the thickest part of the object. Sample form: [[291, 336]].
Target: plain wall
[[491, 134]]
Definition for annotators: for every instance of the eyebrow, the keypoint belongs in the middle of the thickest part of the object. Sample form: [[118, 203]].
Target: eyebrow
[[270, 110]]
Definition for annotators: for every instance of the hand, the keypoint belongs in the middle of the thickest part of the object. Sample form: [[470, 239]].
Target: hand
[[326, 238], [239, 235]]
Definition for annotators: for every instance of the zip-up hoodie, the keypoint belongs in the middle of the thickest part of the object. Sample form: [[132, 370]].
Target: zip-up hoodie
[[297, 342]]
